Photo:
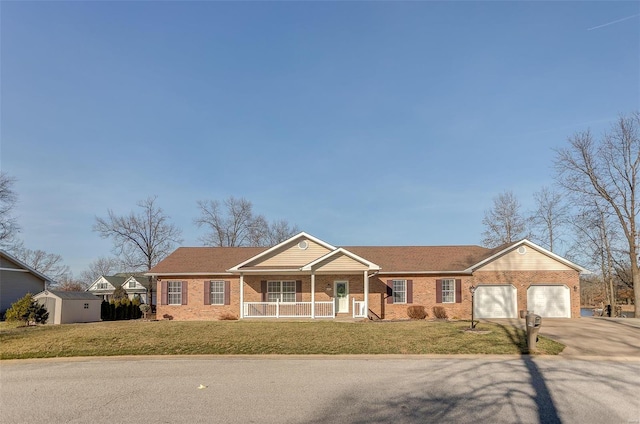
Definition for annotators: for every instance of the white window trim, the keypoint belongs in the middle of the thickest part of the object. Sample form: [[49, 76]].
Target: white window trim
[[211, 292], [403, 292], [449, 292], [173, 292]]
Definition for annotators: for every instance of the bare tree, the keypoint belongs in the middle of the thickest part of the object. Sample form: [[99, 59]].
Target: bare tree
[[279, 231], [596, 236], [140, 240], [608, 170], [549, 217], [503, 223], [101, 266], [49, 264], [234, 224], [9, 227], [69, 283]]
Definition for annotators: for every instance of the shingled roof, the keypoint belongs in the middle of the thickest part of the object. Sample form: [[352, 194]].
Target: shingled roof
[[424, 258], [216, 260], [200, 260]]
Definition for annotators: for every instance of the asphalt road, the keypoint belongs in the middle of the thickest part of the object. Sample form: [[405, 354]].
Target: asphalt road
[[367, 389]]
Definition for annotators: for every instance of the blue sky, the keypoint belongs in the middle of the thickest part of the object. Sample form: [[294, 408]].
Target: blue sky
[[364, 123]]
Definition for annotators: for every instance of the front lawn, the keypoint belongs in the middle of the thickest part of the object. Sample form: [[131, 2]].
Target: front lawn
[[263, 337]]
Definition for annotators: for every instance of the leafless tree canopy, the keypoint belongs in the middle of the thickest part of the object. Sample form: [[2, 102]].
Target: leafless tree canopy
[[503, 223], [550, 216], [606, 170], [70, 284], [140, 240], [49, 264], [100, 266], [8, 197], [234, 224]]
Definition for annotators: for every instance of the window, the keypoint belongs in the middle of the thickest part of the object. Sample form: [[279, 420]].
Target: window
[[399, 291], [132, 284], [449, 290], [86, 306], [216, 290], [174, 292], [102, 286], [283, 291]]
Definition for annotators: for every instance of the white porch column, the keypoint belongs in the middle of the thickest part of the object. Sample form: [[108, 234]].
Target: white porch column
[[313, 295], [241, 296], [366, 294]]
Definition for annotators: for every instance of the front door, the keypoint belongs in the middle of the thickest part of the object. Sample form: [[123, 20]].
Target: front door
[[342, 296]]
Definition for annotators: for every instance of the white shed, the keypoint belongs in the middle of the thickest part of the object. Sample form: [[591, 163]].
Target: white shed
[[66, 307]]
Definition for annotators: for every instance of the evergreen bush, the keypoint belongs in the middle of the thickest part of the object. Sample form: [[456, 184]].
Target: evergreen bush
[[28, 310]]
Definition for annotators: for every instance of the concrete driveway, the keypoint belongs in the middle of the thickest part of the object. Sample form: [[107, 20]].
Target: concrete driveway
[[607, 337], [600, 337]]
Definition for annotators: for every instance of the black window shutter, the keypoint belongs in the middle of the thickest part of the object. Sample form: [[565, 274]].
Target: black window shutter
[[263, 289], [207, 292], [227, 292], [298, 290], [409, 291], [164, 298], [438, 291], [184, 292], [458, 291], [389, 291]]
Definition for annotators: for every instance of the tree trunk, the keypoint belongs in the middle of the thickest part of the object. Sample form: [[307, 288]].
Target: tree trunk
[[635, 274]]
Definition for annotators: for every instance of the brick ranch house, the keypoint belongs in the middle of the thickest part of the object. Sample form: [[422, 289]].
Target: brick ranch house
[[305, 277]]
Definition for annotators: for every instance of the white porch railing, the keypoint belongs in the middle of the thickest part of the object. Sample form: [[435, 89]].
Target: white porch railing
[[359, 309], [288, 309]]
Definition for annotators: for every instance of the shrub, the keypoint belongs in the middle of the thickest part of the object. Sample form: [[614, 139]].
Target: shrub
[[28, 310], [145, 309], [227, 316], [417, 312], [439, 312]]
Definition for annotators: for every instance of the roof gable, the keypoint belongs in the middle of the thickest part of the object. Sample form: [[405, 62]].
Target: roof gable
[[340, 260], [525, 255], [110, 281], [11, 263], [293, 253]]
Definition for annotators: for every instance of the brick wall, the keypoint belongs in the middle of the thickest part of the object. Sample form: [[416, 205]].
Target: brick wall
[[424, 292], [195, 309]]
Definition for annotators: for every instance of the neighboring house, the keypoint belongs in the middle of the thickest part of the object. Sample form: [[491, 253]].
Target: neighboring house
[[307, 277], [132, 284], [67, 307], [16, 280]]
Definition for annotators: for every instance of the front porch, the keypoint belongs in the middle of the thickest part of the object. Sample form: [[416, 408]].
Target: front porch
[[322, 309]]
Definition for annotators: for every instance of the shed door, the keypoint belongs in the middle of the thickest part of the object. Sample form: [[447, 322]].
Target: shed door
[[50, 303], [497, 301], [551, 301]]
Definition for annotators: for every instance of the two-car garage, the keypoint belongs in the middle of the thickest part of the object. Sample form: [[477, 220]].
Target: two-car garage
[[501, 301]]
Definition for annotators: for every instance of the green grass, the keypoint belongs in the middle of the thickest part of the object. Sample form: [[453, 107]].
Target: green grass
[[262, 337]]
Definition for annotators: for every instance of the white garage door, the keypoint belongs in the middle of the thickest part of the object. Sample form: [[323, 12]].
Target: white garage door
[[549, 301], [497, 301]]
